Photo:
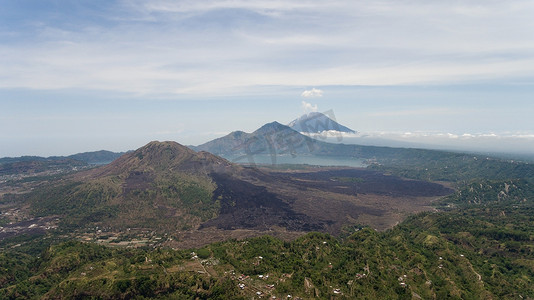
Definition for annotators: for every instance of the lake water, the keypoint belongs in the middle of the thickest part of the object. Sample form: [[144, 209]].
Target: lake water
[[263, 159]]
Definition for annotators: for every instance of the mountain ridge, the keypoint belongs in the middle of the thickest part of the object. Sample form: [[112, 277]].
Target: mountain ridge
[[167, 187], [159, 156], [272, 138], [277, 139], [90, 157], [316, 122]]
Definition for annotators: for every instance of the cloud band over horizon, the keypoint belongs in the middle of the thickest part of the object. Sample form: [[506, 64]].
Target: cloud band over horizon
[[82, 75], [227, 47]]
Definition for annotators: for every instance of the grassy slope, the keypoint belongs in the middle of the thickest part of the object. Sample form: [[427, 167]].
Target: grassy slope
[[152, 187], [480, 250], [481, 246], [104, 200]]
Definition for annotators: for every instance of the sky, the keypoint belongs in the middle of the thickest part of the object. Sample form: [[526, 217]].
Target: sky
[[80, 76]]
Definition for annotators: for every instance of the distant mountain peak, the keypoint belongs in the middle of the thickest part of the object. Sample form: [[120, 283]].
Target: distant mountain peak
[[163, 156], [156, 146], [316, 122], [162, 152], [237, 133], [271, 127], [270, 139]]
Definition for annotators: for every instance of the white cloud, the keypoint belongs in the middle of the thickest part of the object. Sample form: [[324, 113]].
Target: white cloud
[[308, 107], [331, 134], [213, 47], [313, 93], [448, 136]]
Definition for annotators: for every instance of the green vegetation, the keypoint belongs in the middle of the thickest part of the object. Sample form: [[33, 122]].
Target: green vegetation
[[79, 203], [479, 244], [96, 157], [30, 165], [3, 221], [481, 247], [194, 194], [449, 166], [77, 270], [503, 193], [112, 202]]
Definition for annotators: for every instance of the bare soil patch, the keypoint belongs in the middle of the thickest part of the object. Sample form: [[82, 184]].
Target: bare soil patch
[[324, 200]]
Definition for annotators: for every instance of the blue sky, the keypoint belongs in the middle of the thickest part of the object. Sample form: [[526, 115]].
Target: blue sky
[[87, 75]]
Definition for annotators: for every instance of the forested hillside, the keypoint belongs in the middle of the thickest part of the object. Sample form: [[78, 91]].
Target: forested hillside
[[476, 242], [479, 248]]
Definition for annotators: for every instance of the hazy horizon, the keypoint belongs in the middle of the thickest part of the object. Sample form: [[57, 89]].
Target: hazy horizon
[[114, 75]]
